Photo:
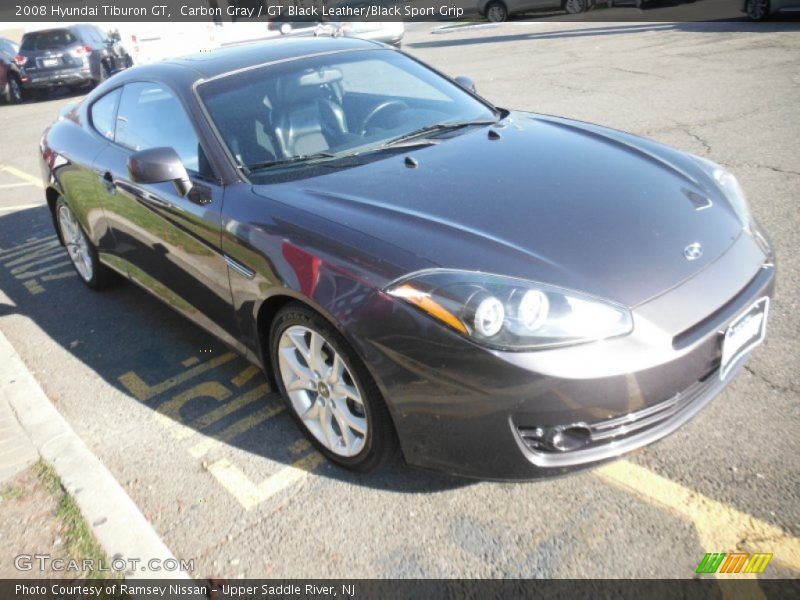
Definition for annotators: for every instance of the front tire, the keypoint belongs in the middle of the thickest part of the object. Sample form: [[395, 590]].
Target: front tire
[[81, 251], [328, 390], [496, 12]]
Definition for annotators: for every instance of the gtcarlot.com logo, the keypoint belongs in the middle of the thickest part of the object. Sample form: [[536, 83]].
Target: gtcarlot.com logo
[[28, 562], [734, 562]]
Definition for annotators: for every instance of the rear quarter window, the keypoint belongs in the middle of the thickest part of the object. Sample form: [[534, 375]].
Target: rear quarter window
[[103, 114]]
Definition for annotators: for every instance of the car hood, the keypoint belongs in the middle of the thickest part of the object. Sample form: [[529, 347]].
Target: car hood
[[552, 200]]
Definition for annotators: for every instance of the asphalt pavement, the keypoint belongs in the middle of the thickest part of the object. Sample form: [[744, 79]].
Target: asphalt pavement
[[203, 447]]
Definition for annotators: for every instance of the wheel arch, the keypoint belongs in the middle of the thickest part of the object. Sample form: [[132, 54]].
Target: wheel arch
[[52, 195], [265, 316]]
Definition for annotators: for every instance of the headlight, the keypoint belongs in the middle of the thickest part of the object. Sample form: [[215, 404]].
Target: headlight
[[509, 313], [729, 186]]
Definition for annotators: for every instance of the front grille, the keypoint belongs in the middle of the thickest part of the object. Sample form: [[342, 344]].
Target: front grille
[[582, 436], [724, 313]]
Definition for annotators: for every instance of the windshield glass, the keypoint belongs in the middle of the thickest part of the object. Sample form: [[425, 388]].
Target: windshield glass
[[48, 40], [323, 107]]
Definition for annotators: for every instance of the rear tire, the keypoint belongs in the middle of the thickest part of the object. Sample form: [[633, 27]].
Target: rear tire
[[574, 7], [757, 10], [13, 90], [81, 251], [334, 402], [496, 12]]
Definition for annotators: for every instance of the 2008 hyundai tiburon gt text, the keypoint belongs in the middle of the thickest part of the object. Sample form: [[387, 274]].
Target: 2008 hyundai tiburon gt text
[[502, 294]]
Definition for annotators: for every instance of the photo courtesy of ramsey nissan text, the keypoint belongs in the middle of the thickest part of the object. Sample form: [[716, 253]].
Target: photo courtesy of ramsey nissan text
[[399, 299]]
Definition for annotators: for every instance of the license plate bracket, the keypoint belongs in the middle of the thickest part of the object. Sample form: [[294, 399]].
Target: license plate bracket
[[743, 334]]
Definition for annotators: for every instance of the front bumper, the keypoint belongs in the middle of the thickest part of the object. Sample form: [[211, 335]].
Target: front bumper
[[57, 78], [467, 410]]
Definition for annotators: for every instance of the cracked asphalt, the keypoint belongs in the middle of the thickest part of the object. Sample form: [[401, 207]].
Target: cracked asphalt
[[227, 480]]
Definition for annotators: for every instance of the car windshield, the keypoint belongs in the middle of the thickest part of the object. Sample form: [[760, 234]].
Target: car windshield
[[48, 40], [324, 107]]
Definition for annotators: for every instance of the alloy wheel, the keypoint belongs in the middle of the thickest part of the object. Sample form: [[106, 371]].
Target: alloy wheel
[[575, 6], [322, 390], [496, 13], [757, 9], [76, 243]]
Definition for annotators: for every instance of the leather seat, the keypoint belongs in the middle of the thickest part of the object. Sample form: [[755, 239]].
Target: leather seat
[[305, 119], [241, 133]]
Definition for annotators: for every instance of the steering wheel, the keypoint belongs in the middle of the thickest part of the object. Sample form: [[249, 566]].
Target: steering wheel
[[381, 110]]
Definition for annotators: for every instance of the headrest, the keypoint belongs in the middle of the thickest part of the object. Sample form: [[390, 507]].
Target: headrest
[[306, 85]]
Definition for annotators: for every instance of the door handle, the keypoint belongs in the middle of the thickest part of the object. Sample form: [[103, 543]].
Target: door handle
[[108, 180]]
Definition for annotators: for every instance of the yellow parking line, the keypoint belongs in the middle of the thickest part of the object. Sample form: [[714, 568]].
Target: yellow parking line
[[33, 287], [236, 429], [22, 175], [56, 276], [25, 263], [143, 391], [29, 247], [31, 274], [245, 376], [223, 411], [250, 494], [207, 389], [720, 528]]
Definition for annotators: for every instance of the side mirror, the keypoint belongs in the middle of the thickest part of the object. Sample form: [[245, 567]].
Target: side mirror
[[286, 28], [466, 82], [157, 165]]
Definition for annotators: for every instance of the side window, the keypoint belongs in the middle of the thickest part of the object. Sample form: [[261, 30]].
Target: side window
[[150, 116], [103, 112]]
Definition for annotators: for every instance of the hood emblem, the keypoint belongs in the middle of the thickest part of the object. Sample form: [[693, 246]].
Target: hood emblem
[[693, 251]]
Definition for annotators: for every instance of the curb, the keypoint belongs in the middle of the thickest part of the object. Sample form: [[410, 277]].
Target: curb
[[445, 29], [117, 523]]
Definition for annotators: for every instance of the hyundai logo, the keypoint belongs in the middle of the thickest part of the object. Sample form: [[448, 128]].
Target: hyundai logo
[[693, 251]]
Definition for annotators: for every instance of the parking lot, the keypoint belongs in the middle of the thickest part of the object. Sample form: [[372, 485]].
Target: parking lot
[[204, 447]]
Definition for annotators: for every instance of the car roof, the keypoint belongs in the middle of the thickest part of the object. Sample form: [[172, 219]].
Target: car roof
[[48, 30], [242, 56]]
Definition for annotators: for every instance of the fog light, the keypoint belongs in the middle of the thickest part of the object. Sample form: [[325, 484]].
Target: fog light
[[571, 438]]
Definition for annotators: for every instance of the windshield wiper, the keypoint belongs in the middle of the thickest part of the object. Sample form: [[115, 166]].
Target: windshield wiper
[[288, 161], [436, 128]]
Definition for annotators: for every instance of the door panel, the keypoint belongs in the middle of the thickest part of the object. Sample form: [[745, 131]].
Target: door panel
[[168, 243]]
